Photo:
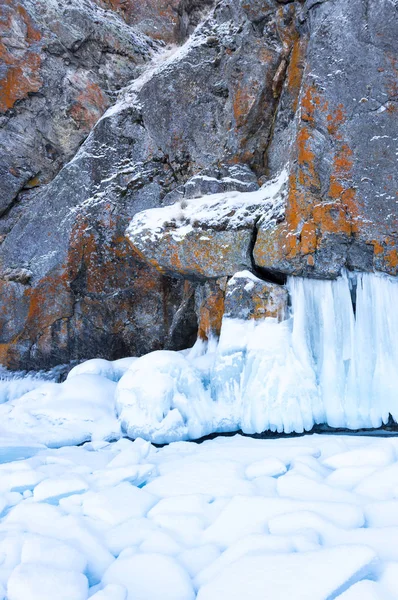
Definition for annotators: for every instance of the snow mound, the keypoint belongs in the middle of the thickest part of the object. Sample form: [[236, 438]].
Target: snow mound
[[151, 576], [303, 576], [37, 582], [110, 369], [161, 398], [56, 414]]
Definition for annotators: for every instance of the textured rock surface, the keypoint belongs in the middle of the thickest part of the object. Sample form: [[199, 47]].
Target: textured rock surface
[[337, 123], [87, 293], [209, 303], [156, 18], [261, 91], [210, 236], [250, 298], [61, 64]]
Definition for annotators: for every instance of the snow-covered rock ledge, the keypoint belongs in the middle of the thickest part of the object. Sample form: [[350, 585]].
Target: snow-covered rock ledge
[[208, 236]]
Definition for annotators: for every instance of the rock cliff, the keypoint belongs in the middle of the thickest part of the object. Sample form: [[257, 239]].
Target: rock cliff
[[265, 140]]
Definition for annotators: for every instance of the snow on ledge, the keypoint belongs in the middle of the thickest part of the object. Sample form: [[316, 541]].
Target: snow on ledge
[[228, 210]]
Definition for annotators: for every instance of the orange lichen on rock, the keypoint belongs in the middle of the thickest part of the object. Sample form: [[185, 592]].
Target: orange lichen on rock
[[307, 212], [21, 72], [273, 245], [312, 215], [253, 299], [310, 101], [90, 105], [210, 311], [198, 253], [244, 99], [295, 70], [331, 217], [335, 120], [308, 238], [307, 174], [386, 254]]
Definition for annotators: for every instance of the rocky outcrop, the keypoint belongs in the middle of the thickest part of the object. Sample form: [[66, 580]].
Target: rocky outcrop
[[88, 294], [190, 14], [209, 306], [265, 142], [333, 133], [337, 124], [61, 65], [210, 236], [250, 298], [156, 18]]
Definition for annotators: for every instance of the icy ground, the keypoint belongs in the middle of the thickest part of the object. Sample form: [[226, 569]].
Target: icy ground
[[306, 518]]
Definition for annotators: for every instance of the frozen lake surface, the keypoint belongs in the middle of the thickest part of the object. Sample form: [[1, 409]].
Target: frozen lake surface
[[312, 517]]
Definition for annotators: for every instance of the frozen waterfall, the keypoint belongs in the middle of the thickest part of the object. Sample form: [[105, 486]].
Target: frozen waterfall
[[354, 357], [328, 363], [333, 361]]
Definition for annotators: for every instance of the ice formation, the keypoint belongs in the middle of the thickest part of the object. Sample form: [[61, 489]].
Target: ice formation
[[333, 361]]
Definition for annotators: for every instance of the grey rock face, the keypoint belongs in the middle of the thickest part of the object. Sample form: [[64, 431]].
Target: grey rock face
[[191, 13], [249, 298], [61, 66], [337, 128], [215, 180], [88, 294], [209, 236], [156, 18], [261, 91]]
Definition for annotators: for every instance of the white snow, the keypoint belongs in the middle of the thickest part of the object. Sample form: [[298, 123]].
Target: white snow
[[302, 576], [162, 398], [310, 517], [32, 581], [151, 576], [56, 414], [200, 526], [233, 209], [110, 369]]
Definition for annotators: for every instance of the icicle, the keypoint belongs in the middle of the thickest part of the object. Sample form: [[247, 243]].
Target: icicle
[[324, 364]]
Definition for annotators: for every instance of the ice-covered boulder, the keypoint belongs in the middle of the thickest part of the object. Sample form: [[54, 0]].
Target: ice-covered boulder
[[151, 576], [248, 297], [162, 398], [110, 369]]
